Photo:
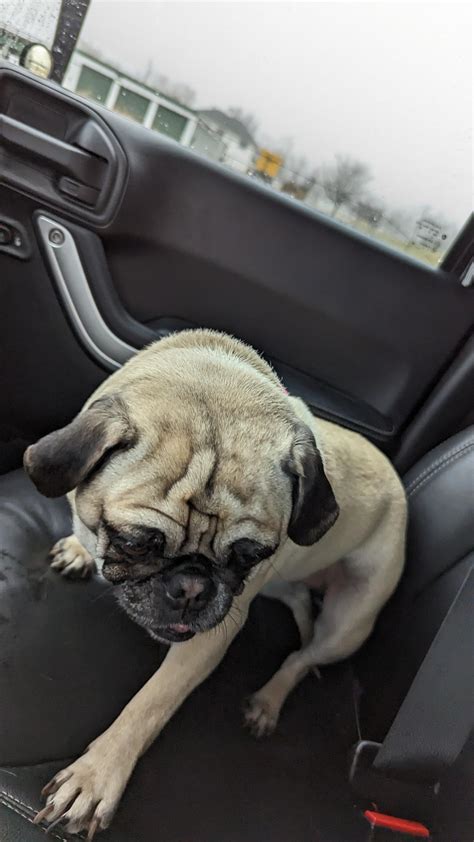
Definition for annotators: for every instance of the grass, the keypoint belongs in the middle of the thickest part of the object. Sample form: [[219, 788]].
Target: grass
[[411, 249]]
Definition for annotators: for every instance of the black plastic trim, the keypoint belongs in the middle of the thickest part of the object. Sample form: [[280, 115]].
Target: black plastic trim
[[461, 251], [22, 250], [445, 408], [323, 400], [334, 405], [36, 149]]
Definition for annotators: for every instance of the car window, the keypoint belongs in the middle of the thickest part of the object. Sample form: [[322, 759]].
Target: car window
[[360, 111]]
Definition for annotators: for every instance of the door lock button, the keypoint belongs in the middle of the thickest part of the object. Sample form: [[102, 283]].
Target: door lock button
[[13, 239]]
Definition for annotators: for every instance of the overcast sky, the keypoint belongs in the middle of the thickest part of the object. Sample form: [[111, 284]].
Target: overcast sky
[[388, 83]]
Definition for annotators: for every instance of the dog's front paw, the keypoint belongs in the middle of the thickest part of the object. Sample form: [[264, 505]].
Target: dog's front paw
[[86, 794], [71, 559], [260, 716]]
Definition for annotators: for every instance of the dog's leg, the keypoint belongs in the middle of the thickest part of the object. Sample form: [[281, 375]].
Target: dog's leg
[[74, 556], [357, 590], [297, 596], [86, 794]]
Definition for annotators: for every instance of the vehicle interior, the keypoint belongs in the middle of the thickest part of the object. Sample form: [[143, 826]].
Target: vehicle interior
[[114, 236]]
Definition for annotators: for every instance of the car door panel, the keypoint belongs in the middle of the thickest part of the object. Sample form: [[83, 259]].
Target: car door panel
[[44, 372], [213, 248], [360, 332]]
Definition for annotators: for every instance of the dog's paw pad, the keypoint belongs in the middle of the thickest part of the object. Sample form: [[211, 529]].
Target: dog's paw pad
[[259, 716], [71, 559]]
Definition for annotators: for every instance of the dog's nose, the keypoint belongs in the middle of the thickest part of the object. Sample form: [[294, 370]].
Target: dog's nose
[[189, 589]]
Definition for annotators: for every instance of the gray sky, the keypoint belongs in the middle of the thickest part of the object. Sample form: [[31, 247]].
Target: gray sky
[[388, 83]]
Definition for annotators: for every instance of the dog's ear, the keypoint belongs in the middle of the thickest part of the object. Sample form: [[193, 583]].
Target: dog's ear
[[315, 508], [61, 460]]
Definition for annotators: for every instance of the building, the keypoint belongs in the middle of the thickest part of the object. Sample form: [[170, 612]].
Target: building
[[103, 83], [210, 133], [209, 143], [238, 146]]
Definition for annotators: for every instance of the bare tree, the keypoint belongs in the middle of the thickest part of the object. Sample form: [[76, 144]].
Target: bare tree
[[344, 181], [298, 165], [370, 210], [249, 120], [175, 90], [400, 221], [161, 82], [185, 94], [297, 177], [148, 72]]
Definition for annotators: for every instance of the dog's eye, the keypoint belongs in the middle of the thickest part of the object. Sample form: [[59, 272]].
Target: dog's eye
[[135, 548], [138, 547], [247, 553], [129, 547]]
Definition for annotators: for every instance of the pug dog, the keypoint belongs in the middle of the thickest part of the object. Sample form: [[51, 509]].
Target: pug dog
[[195, 483]]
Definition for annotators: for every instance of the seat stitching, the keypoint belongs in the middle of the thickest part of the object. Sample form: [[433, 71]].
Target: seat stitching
[[439, 461], [11, 797], [6, 801], [437, 468]]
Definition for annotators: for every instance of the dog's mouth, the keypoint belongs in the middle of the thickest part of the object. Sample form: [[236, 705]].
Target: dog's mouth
[[146, 603], [174, 632]]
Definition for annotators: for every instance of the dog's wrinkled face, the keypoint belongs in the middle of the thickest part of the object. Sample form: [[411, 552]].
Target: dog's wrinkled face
[[173, 598], [191, 470]]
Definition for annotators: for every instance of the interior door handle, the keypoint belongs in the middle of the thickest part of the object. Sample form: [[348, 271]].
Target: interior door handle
[[79, 164]]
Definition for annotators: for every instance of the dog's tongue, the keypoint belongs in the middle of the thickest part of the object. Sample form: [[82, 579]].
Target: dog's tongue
[[179, 627]]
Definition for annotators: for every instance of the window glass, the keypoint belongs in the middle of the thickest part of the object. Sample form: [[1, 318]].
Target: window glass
[[93, 85], [361, 111], [131, 104], [169, 122]]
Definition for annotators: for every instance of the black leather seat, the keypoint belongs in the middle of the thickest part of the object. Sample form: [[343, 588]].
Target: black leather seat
[[69, 660], [440, 552]]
